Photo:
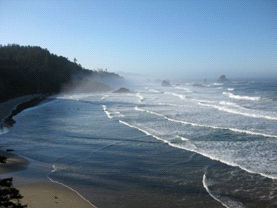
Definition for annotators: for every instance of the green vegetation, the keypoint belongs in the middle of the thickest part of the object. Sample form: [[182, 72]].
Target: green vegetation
[[28, 70], [9, 196], [31, 69], [2, 159]]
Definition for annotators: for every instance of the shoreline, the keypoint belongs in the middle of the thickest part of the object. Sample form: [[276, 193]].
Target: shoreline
[[8, 106], [44, 195], [38, 194], [13, 163]]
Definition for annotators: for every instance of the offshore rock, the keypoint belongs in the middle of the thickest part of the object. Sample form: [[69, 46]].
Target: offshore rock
[[166, 83], [223, 79], [123, 90]]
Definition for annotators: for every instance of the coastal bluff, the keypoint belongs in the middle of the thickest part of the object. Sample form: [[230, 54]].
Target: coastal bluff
[[27, 70]]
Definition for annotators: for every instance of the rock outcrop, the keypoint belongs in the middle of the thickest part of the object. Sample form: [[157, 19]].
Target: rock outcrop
[[223, 79], [123, 90], [166, 83]]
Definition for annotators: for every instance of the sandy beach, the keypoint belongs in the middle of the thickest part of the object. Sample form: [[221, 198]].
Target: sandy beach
[[44, 195], [37, 195]]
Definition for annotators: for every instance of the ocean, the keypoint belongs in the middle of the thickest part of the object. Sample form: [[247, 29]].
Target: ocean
[[195, 144]]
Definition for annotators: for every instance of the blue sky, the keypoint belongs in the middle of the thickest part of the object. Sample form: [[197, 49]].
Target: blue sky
[[187, 38]]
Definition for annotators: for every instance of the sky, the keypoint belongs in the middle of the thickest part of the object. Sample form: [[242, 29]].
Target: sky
[[159, 38]]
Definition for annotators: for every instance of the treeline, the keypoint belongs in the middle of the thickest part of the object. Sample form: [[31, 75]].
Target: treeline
[[32, 69]]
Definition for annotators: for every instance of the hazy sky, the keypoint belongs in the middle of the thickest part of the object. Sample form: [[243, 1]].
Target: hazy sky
[[187, 38]]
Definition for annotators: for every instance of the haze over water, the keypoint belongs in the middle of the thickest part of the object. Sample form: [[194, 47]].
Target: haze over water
[[196, 144], [193, 144]]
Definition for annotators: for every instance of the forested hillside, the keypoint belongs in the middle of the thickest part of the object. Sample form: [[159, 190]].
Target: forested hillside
[[31, 69]]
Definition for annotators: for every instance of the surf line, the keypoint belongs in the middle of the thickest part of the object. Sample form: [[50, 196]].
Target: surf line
[[144, 131], [66, 186], [105, 96], [239, 97], [141, 98], [237, 112], [53, 181], [217, 197], [206, 126], [106, 111], [194, 149]]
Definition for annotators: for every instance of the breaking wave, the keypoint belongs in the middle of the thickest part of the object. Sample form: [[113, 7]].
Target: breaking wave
[[239, 97]]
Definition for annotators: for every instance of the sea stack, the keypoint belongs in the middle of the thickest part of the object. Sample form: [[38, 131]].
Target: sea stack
[[166, 83], [223, 79], [123, 90]]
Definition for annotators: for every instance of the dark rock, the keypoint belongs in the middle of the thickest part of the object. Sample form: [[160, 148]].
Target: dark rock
[[123, 90], [166, 83], [223, 79], [3, 159]]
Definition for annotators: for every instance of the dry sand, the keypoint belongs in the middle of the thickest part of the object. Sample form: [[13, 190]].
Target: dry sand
[[38, 195], [45, 195], [42, 195]]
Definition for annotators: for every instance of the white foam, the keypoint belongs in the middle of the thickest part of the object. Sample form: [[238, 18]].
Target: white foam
[[142, 130], [169, 104], [183, 88], [230, 104], [105, 96], [203, 101], [155, 91], [182, 138], [190, 147], [239, 97], [57, 182], [181, 97], [231, 89], [106, 111], [208, 126], [141, 98], [77, 96], [225, 201], [151, 112], [238, 112], [217, 83]]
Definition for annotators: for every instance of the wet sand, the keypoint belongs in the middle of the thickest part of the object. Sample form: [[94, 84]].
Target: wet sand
[[37, 195], [13, 163], [45, 195]]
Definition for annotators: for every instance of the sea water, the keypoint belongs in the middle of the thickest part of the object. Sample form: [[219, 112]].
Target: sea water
[[189, 145]]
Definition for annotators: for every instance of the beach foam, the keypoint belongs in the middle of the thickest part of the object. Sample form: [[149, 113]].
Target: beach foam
[[240, 97], [225, 201]]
